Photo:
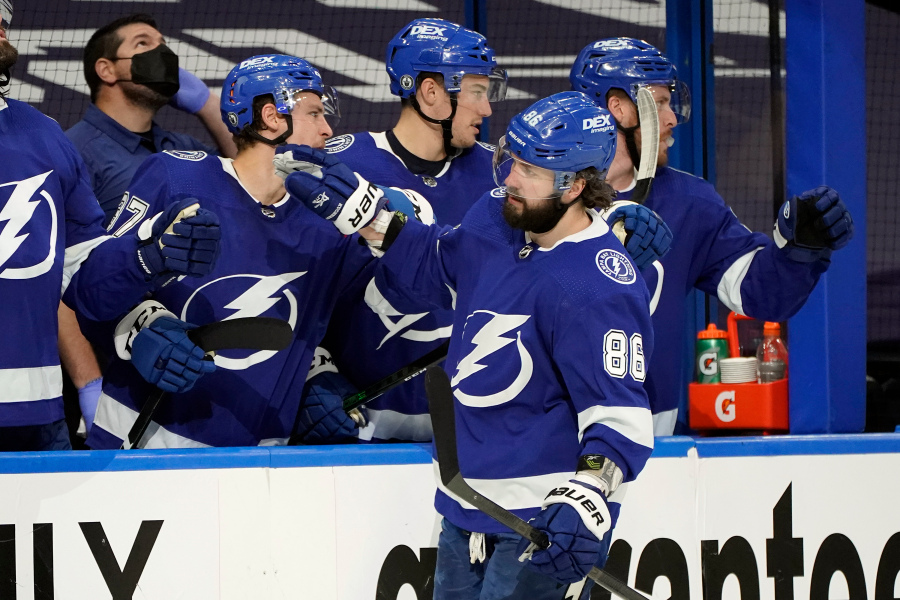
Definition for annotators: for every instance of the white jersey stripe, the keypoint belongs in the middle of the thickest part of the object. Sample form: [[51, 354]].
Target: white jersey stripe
[[512, 494], [75, 255], [729, 289], [633, 422], [118, 419], [30, 384]]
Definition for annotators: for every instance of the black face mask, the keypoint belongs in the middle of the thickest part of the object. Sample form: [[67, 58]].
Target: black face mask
[[156, 69]]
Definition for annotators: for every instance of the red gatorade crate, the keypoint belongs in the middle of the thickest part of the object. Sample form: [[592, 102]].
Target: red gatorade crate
[[748, 406]]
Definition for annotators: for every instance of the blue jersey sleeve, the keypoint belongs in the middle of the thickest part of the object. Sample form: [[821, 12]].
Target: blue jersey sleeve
[[749, 273], [418, 272]]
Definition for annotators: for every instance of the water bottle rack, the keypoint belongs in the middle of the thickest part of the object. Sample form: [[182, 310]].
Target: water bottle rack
[[750, 406]]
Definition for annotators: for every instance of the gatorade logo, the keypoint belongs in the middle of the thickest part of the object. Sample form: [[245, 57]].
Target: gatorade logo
[[709, 363], [725, 406]]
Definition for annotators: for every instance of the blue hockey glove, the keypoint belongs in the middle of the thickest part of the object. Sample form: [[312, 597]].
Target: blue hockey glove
[[647, 237], [330, 189], [322, 419], [813, 224], [88, 398], [181, 240], [166, 357], [575, 517], [192, 93]]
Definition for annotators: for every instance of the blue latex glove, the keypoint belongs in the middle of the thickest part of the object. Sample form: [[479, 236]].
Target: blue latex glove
[[322, 419], [647, 238], [192, 93], [813, 224], [330, 189], [166, 357], [88, 398], [190, 248], [575, 517]]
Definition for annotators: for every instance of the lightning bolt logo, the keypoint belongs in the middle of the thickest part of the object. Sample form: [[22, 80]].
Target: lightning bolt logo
[[259, 298], [17, 213], [489, 339]]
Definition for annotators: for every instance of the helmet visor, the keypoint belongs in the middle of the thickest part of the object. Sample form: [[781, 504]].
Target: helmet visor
[[678, 100], [5, 13], [531, 181], [330, 108], [497, 82]]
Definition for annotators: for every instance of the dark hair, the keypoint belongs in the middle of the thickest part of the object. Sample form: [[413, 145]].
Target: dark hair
[[438, 79], [105, 44], [596, 193], [244, 139]]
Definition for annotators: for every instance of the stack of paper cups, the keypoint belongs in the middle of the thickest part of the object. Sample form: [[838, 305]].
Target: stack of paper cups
[[738, 370]]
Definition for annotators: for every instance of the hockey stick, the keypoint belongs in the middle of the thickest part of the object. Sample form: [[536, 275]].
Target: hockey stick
[[648, 117], [250, 333], [406, 373], [443, 419]]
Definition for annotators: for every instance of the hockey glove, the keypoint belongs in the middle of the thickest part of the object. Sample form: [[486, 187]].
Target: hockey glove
[[322, 419], [88, 398], [181, 240], [165, 356], [813, 224], [575, 517], [330, 189], [647, 238], [192, 93]]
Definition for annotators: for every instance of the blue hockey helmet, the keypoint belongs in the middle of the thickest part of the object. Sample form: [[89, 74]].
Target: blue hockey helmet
[[563, 133], [439, 46], [277, 74], [627, 64], [5, 13]]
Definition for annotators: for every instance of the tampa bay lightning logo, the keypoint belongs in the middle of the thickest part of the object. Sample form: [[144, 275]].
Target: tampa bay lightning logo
[[186, 154], [338, 143], [616, 266], [487, 335], [21, 201], [252, 296]]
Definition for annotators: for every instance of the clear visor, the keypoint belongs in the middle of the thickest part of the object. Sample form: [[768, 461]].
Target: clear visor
[[531, 182], [497, 82], [678, 98], [327, 103], [5, 13]]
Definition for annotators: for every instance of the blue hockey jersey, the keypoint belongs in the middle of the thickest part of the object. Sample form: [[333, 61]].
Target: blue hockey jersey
[[278, 261], [712, 251], [547, 357], [368, 346], [50, 223]]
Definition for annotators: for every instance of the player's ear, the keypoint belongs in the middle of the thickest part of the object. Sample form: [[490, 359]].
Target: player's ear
[[616, 106], [428, 91], [573, 192], [269, 117]]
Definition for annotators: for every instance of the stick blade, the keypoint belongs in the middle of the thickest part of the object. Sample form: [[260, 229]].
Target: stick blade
[[443, 421], [250, 333]]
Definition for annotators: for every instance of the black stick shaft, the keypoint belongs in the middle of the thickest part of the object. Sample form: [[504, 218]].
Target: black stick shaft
[[143, 420]]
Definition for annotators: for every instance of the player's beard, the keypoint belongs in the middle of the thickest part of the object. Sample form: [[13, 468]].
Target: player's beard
[[8, 55], [535, 219], [143, 96]]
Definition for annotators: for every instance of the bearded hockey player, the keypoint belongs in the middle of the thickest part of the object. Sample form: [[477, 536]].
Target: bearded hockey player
[[750, 273], [548, 354]]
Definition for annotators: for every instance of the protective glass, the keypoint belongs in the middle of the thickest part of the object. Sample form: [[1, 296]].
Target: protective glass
[[5, 13], [680, 101], [290, 98], [534, 178]]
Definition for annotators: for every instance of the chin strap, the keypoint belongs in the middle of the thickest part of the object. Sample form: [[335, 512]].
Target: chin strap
[[630, 142], [281, 139], [5, 77], [446, 124]]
